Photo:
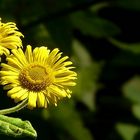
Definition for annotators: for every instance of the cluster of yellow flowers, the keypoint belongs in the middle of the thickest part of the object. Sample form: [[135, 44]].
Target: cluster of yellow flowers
[[41, 76]]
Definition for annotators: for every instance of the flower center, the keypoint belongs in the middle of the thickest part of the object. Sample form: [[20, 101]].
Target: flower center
[[36, 77]]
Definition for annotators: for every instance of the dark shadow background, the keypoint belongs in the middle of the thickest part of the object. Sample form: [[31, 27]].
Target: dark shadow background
[[84, 30]]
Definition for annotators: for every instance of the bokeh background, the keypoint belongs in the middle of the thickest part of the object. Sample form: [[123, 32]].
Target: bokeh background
[[102, 39]]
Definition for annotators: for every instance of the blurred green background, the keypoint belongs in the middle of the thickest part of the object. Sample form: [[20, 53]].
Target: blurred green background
[[102, 39]]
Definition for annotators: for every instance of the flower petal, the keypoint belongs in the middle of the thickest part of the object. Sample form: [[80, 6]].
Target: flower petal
[[32, 100]]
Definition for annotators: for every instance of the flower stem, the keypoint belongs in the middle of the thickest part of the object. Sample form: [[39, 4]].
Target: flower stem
[[15, 108]]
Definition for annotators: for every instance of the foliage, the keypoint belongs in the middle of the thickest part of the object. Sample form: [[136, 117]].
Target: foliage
[[103, 40]]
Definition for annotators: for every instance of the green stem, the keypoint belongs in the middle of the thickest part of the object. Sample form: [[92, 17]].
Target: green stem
[[15, 108]]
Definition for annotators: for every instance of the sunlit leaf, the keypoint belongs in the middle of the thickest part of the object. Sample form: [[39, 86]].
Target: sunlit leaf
[[16, 127], [136, 110], [131, 89], [85, 91], [127, 131], [133, 47], [88, 70], [98, 6], [81, 55]]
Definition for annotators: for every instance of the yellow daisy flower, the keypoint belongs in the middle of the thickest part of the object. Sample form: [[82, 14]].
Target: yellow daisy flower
[[9, 37], [40, 76]]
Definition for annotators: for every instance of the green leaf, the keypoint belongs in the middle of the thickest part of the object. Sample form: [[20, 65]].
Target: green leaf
[[97, 7], [133, 47], [136, 110], [16, 127], [81, 55], [67, 119], [85, 91], [88, 70], [127, 131], [93, 25], [131, 89]]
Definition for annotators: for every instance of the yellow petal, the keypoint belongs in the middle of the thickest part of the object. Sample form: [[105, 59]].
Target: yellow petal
[[60, 61], [14, 90], [29, 54], [40, 99], [32, 100], [25, 95], [20, 94], [57, 91]]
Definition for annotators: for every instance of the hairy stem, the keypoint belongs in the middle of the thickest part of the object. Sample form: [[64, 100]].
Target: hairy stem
[[15, 108]]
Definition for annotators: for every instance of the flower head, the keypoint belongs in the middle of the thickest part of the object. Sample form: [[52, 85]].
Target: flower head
[[40, 76], [9, 37]]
